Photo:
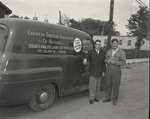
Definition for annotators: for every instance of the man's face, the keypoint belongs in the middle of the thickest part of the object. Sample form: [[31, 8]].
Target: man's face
[[114, 45], [98, 45]]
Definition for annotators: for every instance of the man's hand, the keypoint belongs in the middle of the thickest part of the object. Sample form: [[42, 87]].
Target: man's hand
[[103, 74], [85, 61], [108, 61], [112, 62]]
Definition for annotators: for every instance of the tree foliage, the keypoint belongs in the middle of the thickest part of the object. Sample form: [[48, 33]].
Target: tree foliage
[[93, 27], [13, 16], [17, 16], [26, 17], [137, 24]]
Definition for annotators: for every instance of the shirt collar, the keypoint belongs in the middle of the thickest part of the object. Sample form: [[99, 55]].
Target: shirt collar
[[98, 51], [114, 50]]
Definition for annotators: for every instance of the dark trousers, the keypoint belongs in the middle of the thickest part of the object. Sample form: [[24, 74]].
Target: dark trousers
[[113, 77], [94, 87]]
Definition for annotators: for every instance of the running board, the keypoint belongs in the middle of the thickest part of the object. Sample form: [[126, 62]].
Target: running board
[[77, 89]]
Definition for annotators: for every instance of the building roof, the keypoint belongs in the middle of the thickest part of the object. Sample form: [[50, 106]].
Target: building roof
[[8, 11]]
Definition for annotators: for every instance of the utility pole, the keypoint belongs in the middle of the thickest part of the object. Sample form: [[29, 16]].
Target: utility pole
[[148, 31], [149, 5], [102, 32], [60, 17], [111, 12]]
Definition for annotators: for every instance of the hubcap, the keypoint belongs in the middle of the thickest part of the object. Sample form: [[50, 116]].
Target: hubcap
[[43, 97]]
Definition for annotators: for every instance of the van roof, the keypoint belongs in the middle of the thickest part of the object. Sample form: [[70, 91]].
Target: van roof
[[16, 22]]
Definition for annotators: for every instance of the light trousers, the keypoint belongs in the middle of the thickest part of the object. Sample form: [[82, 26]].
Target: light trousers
[[113, 77], [94, 87]]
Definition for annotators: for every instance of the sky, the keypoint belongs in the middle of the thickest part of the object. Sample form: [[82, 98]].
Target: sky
[[77, 9]]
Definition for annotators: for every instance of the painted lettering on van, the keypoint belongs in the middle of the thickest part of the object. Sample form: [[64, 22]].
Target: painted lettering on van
[[48, 35], [39, 34], [52, 51], [42, 46], [45, 42]]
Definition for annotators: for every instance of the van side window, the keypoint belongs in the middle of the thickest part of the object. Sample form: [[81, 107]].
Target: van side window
[[3, 37]]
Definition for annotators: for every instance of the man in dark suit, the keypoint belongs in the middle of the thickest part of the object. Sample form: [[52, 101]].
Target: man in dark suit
[[114, 59], [96, 69]]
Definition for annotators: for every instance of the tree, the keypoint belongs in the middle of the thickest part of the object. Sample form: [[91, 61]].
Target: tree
[[21, 17], [75, 24], [26, 17], [13, 16], [92, 26], [137, 24]]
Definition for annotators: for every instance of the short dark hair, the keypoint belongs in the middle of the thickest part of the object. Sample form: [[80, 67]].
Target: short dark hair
[[114, 39], [97, 41]]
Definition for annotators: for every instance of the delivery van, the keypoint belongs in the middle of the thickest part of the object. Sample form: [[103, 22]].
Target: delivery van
[[41, 61]]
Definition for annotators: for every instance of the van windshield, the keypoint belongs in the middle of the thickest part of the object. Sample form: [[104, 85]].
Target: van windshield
[[3, 38]]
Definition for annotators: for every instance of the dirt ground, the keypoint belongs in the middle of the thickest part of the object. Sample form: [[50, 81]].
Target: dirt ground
[[133, 102]]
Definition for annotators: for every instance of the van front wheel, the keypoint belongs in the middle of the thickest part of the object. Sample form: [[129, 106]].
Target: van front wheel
[[42, 98]]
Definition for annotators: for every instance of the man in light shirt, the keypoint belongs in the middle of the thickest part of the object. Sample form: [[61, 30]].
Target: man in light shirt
[[114, 59]]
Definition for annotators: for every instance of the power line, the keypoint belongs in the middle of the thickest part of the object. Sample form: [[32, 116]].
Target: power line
[[141, 3]]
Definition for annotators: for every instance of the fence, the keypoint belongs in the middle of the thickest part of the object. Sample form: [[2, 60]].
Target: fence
[[131, 54]]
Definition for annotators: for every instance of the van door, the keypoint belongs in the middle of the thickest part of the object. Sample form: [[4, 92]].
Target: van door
[[72, 72]]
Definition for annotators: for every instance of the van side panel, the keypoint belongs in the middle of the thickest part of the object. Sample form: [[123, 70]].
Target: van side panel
[[40, 54], [25, 73]]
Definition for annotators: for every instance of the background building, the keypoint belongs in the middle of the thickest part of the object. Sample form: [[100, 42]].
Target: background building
[[4, 10], [125, 42]]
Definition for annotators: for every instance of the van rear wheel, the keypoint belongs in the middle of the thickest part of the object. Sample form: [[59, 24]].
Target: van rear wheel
[[43, 98]]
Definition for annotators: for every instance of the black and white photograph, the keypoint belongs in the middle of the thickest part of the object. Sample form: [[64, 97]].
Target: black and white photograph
[[74, 59]]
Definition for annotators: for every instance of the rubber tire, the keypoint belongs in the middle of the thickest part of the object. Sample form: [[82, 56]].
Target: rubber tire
[[35, 105]]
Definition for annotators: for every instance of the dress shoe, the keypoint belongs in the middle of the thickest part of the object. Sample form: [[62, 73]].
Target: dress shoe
[[91, 101], [115, 102], [97, 100], [106, 100]]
